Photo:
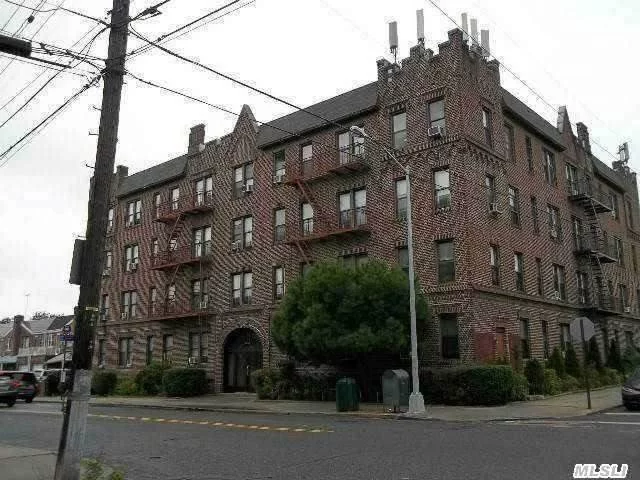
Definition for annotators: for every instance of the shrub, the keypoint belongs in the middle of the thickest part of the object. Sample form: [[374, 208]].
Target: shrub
[[265, 383], [51, 383], [520, 388], [534, 371], [184, 382], [569, 383], [474, 385], [126, 386], [594, 379], [552, 384], [571, 364], [613, 359], [630, 360], [286, 384], [593, 354], [609, 376], [104, 382], [149, 379], [557, 362]]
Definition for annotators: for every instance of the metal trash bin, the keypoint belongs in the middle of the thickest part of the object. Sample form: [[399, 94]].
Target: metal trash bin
[[347, 395], [395, 389]]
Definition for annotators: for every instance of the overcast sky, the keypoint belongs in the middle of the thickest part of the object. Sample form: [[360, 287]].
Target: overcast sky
[[577, 53]]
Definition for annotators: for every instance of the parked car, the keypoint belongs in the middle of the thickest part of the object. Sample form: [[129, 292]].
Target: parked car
[[8, 391], [631, 391], [25, 382]]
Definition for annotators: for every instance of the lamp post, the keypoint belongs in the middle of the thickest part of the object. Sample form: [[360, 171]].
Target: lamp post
[[416, 400]]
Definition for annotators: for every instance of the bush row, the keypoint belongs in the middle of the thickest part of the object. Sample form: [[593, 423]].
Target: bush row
[[285, 383], [153, 379]]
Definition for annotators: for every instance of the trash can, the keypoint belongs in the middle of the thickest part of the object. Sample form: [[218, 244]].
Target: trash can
[[347, 395], [395, 389]]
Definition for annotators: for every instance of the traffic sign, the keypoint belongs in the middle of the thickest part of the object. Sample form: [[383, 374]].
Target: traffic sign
[[589, 329], [66, 329]]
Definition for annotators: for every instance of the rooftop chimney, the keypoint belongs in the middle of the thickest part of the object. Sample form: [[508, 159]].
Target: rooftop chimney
[[484, 42], [583, 136], [393, 39], [465, 27], [196, 139], [474, 32], [17, 333], [420, 23]]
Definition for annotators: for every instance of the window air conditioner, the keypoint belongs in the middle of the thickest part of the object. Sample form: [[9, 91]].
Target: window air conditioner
[[279, 178], [124, 316], [248, 187], [435, 132], [203, 303], [235, 246], [554, 233], [627, 309], [493, 208], [555, 295], [193, 360]]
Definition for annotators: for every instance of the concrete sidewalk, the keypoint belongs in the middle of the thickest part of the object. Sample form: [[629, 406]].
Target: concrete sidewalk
[[21, 463], [561, 406]]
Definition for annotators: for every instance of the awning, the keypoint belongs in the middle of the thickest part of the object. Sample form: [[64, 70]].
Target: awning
[[58, 359], [8, 359]]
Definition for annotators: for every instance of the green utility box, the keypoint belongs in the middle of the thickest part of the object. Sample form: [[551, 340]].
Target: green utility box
[[347, 395]]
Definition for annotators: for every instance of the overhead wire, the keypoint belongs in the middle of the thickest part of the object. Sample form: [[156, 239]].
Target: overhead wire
[[15, 10], [73, 12]]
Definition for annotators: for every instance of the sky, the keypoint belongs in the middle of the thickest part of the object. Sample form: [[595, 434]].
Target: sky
[[570, 52]]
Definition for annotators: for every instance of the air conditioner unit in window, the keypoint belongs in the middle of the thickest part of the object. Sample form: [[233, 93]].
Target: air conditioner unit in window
[[235, 246], [553, 233], [279, 178], [134, 266], [248, 187], [204, 303], [555, 295], [106, 272], [493, 208], [192, 360], [435, 132], [627, 309], [124, 316]]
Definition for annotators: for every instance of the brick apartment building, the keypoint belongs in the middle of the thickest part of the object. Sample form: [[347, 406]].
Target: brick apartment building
[[518, 227]]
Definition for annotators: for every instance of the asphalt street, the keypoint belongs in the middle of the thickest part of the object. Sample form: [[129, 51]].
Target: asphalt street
[[182, 445]]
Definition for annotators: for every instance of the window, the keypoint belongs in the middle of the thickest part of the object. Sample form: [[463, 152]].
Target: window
[[155, 247], [131, 255], [518, 266], [558, 282], [349, 146], [175, 199], [204, 191], [279, 225], [153, 301], [525, 348], [356, 260], [565, 336], [446, 267], [306, 153], [549, 167], [278, 166], [148, 356], [545, 338], [156, 205], [129, 304], [624, 296], [449, 335], [125, 352], [615, 213], [578, 234], [494, 252], [628, 338], [442, 189], [243, 232], [104, 307], [534, 215], [486, 125], [200, 294], [401, 199], [619, 250], [353, 208], [202, 241], [634, 258], [572, 179], [110, 221], [101, 352], [171, 297], [305, 268], [583, 292], [108, 262], [307, 219], [242, 288], [509, 142], [399, 130], [167, 348], [198, 346], [243, 180], [529, 150], [436, 114], [490, 184], [553, 215], [629, 215], [173, 244], [278, 282], [403, 258], [514, 206], [134, 213]]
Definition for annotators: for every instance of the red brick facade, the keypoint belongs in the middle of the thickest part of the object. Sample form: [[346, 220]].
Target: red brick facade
[[467, 83]]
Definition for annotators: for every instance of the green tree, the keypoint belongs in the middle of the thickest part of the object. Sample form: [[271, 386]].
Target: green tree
[[593, 354], [571, 364], [534, 371], [335, 314], [614, 360], [556, 362]]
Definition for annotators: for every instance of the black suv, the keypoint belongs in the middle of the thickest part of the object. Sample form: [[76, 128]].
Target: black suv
[[8, 391], [25, 382], [631, 391]]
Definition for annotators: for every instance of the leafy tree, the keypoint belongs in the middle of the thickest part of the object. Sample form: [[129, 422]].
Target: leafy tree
[[593, 354], [614, 359], [335, 313], [556, 362], [571, 364], [534, 371]]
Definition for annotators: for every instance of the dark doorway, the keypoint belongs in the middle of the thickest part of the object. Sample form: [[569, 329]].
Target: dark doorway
[[242, 355]]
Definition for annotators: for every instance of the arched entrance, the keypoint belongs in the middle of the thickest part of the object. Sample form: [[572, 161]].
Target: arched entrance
[[242, 355]]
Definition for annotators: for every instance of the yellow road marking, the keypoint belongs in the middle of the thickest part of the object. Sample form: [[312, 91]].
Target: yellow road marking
[[204, 423], [145, 419]]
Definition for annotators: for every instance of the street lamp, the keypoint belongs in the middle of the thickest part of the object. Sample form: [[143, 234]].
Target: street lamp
[[416, 401]]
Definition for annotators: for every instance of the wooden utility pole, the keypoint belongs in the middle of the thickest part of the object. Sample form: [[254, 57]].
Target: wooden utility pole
[[72, 438]]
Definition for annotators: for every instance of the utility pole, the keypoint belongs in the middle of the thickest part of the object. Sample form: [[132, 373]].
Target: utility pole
[[74, 425]]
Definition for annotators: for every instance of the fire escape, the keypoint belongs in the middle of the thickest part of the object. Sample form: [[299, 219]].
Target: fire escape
[[592, 247], [318, 226], [196, 254]]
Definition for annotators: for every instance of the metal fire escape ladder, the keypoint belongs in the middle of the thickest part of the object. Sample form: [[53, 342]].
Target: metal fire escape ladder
[[308, 196], [175, 231], [604, 301]]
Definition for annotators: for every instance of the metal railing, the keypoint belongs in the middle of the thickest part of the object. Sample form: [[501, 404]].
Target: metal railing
[[188, 254], [584, 188], [185, 203]]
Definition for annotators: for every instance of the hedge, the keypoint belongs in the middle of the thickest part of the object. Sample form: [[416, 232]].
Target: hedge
[[520, 388], [472, 385], [149, 379], [534, 371], [184, 382], [104, 382], [552, 383], [286, 384]]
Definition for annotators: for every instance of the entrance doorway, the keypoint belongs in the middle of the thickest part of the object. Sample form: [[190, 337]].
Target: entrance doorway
[[242, 355]]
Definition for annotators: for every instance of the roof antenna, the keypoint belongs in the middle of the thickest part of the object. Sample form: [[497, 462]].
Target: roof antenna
[[420, 20], [474, 32], [393, 40], [623, 152], [484, 43], [465, 27]]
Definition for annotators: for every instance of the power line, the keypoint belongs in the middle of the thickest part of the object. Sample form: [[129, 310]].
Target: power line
[[15, 10], [56, 9], [71, 71]]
